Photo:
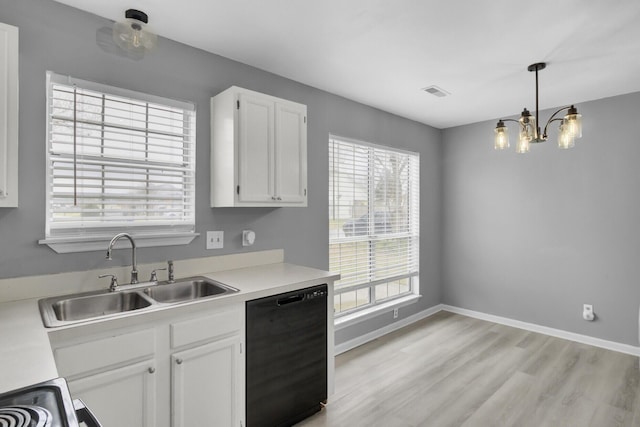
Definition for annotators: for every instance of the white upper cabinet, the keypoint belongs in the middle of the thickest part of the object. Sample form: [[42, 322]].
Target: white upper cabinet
[[258, 150], [256, 159], [291, 153], [8, 116]]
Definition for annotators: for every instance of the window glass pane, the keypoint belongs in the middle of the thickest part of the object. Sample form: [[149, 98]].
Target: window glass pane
[[337, 307], [404, 285], [394, 288], [381, 292], [348, 301], [363, 297]]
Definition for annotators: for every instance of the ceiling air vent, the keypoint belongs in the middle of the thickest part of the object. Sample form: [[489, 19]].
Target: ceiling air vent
[[436, 91]]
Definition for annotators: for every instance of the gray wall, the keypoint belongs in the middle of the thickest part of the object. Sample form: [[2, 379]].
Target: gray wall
[[62, 39], [533, 237], [527, 237]]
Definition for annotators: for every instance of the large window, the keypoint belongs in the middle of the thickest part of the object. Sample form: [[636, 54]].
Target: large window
[[117, 161], [373, 223]]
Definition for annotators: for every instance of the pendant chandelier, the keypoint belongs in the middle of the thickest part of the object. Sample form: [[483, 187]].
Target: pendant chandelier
[[570, 125]]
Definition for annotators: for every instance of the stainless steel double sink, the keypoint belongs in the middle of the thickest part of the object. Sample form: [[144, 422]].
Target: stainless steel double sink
[[69, 309]]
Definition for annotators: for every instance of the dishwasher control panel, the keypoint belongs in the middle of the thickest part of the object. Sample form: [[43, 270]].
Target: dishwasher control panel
[[318, 293]]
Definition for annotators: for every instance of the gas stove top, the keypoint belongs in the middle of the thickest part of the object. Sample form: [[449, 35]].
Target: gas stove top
[[46, 404]]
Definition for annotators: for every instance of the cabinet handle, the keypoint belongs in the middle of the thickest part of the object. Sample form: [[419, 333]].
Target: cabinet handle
[[279, 198], [179, 361], [151, 370], [273, 198]]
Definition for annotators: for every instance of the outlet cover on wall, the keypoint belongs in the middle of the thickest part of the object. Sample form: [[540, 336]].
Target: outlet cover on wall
[[215, 239]]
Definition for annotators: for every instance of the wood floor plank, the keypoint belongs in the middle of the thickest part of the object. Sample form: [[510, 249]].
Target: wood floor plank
[[607, 415], [504, 407], [452, 370], [455, 397]]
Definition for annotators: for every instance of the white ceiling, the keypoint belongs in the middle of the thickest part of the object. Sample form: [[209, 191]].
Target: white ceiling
[[382, 53]]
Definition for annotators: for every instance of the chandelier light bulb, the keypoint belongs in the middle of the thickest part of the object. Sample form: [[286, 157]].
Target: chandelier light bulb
[[502, 136], [523, 144], [573, 122], [566, 139], [528, 128]]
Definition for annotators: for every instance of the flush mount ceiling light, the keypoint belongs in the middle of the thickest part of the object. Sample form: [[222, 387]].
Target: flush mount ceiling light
[[570, 125], [133, 35]]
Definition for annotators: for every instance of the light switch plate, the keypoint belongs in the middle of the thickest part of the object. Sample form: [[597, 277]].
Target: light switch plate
[[215, 239]]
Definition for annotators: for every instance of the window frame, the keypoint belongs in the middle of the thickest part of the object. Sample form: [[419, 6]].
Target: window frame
[[374, 305], [80, 239]]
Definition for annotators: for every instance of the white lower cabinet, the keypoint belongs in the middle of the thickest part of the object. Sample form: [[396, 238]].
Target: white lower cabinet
[[174, 371], [204, 385], [123, 396]]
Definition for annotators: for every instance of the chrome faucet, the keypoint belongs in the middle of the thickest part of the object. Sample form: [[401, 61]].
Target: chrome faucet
[[134, 268]]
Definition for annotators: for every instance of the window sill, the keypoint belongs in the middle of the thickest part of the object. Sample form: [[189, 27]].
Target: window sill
[[64, 245], [369, 313]]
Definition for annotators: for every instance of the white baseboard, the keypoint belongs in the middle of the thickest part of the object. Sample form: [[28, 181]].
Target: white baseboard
[[558, 333], [363, 339]]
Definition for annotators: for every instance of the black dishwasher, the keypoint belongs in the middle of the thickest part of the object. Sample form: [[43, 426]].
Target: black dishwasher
[[286, 357]]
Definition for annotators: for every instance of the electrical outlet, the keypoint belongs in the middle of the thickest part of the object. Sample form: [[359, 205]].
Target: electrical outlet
[[587, 312], [215, 239], [395, 313]]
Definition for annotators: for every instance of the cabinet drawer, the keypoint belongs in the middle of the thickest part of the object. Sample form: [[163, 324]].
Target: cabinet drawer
[[101, 353], [205, 328]]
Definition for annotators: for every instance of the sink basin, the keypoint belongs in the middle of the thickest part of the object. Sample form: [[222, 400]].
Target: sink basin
[[187, 290], [69, 309], [89, 306]]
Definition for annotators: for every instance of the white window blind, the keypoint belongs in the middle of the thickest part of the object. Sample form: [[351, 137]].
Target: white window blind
[[117, 161], [374, 222]]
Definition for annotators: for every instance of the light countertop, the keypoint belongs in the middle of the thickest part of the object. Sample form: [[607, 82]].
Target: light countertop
[[26, 356]]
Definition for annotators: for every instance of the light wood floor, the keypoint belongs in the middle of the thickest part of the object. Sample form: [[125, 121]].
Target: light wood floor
[[452, 370]]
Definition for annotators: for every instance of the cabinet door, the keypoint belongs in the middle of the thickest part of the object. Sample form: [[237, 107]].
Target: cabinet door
[[291, 153], [204, 385], [255, 149], [8, 116], [120, 397]]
